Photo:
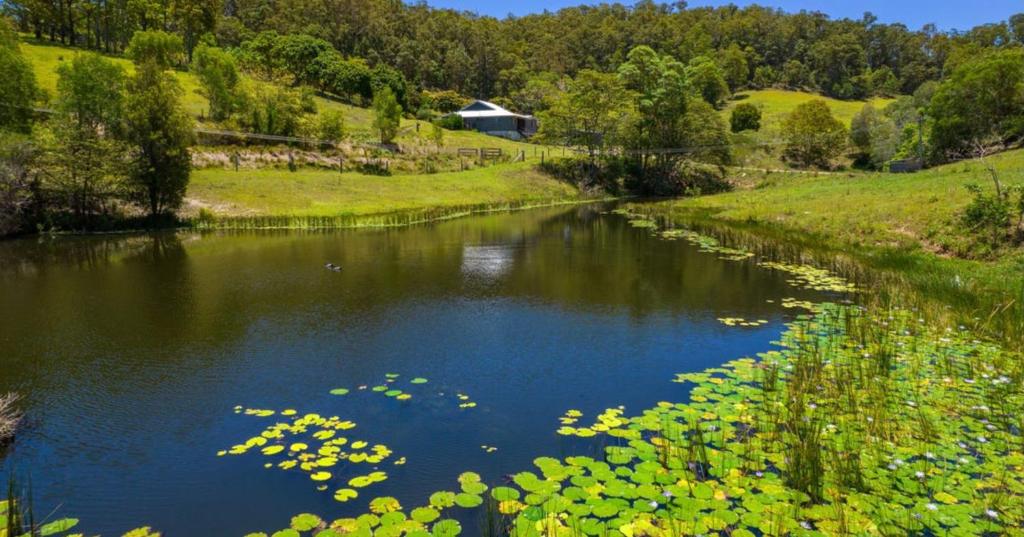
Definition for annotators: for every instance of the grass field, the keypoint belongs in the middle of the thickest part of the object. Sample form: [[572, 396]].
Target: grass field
[[898, 210], [312, 192], [776, 104]]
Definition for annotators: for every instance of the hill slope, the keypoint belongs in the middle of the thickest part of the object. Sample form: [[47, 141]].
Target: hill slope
[[46, 56]]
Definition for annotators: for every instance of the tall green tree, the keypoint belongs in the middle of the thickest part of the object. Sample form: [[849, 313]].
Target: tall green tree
[[90, 89], [193, 19], [814, 137], [660, 95], [160, 133], [85, 159], [708, 80], [387, 114], [588, 114], [218, 75]]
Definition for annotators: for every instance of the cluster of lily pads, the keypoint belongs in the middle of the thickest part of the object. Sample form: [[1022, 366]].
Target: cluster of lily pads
[[860, 424], [740, 321], [387, 388], [803, 276], [605, 422], [314, 444]]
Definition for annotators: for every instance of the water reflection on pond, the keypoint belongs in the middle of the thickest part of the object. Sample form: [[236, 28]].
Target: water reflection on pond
[[133, 351]]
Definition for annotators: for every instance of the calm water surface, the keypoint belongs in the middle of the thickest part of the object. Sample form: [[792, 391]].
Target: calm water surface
[[132, 352]]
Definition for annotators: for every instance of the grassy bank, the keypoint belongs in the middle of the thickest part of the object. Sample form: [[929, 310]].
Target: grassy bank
[[904, 224], [320, 193]]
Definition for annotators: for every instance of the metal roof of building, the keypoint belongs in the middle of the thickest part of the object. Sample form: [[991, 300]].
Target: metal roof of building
[[495, 111]]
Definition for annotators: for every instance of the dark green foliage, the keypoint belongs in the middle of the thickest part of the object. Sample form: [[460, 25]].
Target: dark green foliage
[[85, 173], [982, 102], [490, 58], [813, 135], [160, 133], [296, 53], [705, 134], [838, 62], [745, 117]]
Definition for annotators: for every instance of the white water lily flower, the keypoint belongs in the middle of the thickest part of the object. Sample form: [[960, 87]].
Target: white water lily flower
[[991, 513], [932, 507], [919, 474]]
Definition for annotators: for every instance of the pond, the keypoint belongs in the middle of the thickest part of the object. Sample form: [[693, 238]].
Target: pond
[[143, 358]]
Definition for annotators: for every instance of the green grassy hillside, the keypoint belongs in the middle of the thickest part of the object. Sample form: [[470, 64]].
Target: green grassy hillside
[[45, 58], [776, 104], [866, 209], [762, 148]]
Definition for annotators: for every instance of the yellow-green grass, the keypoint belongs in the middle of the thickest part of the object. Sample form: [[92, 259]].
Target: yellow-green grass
[[776, 104], [867, 209], [46, 56], [319, 192]]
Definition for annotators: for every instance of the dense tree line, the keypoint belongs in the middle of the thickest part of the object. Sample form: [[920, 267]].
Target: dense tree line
[[441, 49]]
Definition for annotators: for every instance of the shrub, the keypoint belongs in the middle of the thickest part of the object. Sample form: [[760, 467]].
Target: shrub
[[745, 117], [452, 122], [331, 126]]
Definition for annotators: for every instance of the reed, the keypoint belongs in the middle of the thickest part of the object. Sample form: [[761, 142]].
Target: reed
[[208, 222]]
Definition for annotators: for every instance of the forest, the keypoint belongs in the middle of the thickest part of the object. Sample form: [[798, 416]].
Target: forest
[[516, 58]]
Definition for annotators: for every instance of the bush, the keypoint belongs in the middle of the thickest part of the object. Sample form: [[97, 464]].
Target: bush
[[686, 178], [745, 117], [166, 49], [331, 126], [991, 216], [603, 174], [695, 178], [452, 122]]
